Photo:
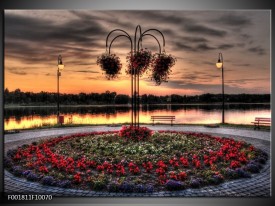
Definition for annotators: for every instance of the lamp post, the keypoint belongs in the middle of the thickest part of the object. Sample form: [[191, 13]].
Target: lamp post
[[60, 67], [136, 45], [219, 65]]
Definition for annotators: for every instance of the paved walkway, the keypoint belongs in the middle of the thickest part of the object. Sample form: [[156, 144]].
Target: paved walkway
[[257, 186]]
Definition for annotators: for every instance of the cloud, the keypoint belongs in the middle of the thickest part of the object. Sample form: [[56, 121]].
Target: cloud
[[233, 20], [242, 65], [204, 30], [225, 46], [86, 71], [16, 71], [195, 39], [204, 47], [258, 50]]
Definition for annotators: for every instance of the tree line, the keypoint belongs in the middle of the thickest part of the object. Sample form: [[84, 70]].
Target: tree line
[[18, 97]]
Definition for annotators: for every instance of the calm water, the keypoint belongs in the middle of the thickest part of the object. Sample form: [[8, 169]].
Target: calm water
[[28, 117]]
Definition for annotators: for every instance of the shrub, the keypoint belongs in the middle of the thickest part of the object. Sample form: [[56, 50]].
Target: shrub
[[26, 172], [229, 173], [242, 173], [32, 177], [11, 152], [113, 187], [196, 182], [8, 162], [127, 187], [141, 188], [99, 185], [216, 179], [48, 180], [17, 170], [251, 167], [174, 185], [64, 183]]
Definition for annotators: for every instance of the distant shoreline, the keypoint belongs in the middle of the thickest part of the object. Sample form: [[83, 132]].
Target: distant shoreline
[[129, 105]]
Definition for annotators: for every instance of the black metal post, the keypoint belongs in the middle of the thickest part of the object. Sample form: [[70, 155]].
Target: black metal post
[[58, 96], [220, 60], [222, 95]]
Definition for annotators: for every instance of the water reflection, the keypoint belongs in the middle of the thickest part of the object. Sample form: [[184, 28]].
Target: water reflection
[[29, 117]]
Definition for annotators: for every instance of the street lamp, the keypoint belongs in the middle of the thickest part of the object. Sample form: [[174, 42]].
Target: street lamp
[[219, 65], [60, 67]]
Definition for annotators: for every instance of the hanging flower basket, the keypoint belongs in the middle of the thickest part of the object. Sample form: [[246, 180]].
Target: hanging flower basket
[[161, 67], [140, 61], [110, 64]]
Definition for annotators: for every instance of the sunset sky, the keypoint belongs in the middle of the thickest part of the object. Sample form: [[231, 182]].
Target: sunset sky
[[35, 38]]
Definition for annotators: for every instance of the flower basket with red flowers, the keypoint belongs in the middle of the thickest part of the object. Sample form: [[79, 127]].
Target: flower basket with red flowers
[[161, 67], [110, 64], [140, 61], [135, 133]]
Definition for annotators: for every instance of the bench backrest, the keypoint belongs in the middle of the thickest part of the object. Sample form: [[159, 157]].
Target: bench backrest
[[163, 117], [263, 119]]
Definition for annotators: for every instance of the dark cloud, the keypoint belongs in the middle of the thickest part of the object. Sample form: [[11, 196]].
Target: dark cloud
[[29, 39], [242, 65], [234, 20], [204, 30], [183, 47], [258, 50], [246, 80], [195, 39], [17, 71], [225, 46], [204, 47], [86, 71]]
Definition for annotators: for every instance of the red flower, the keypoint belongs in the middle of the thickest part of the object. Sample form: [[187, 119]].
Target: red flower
[[148, 166], [182, 176], [43, 169], [173, 175], [77, 178], [234, 164], [184, 162]]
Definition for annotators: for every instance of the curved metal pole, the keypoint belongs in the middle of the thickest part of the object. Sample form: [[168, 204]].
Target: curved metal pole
[[159, 33], [135, 40], [136, 76], [151, 36], [114, 31], [121, 35]]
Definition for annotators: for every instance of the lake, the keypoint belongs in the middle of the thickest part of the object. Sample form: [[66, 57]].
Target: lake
[[30, 117]]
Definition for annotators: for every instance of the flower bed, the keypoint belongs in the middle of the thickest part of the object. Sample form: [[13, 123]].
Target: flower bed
[[107, 161]]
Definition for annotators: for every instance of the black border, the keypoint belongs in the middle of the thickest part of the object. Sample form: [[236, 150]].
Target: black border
[[134, 5]]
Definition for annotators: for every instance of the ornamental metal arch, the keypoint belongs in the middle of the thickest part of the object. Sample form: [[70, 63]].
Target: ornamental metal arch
[[135, 46]]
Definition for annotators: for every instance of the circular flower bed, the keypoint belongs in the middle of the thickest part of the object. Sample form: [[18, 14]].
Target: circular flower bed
[[111, 161]]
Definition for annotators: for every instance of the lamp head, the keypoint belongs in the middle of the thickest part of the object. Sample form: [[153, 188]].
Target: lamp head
[[60, 64], [219, 64]]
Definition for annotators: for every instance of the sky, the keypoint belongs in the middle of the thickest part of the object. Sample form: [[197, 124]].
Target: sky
[[35, 38]]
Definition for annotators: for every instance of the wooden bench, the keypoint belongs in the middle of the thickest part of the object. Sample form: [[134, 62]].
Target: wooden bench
[[163, 118], [261, 121]]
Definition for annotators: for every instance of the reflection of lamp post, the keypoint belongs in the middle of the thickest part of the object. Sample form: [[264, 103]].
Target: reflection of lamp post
[[219, 65], [60, 66]]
